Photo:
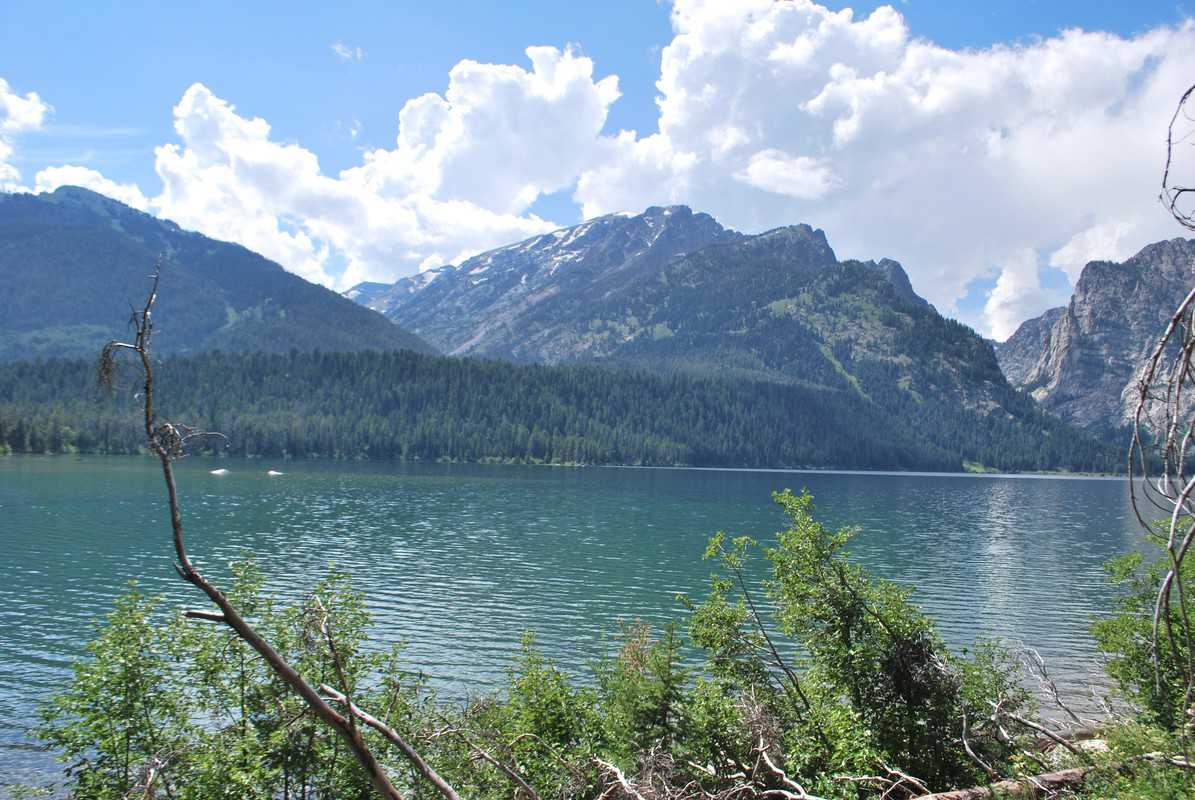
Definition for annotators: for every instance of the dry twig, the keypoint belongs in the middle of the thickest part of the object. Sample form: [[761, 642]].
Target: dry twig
[[1163, 418], [167, 441]]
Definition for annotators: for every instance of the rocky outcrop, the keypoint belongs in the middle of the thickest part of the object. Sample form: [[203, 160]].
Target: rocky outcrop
[[1082, 362], [1021, 352]]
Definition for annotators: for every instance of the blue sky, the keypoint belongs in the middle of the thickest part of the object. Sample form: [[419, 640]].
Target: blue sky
[[112, 74]]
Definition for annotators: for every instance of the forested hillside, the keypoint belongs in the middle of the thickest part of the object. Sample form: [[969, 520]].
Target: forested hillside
[[73, 262], [402, 405]]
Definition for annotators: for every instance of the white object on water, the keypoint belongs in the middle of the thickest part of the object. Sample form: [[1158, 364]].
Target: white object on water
[[220, 471], [274, 472]]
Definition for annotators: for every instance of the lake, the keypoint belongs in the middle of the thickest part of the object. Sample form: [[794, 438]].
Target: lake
[[459, 560]]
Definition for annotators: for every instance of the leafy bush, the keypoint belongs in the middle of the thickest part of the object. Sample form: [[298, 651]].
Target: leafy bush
[[1127, 637], [869, 680], [188, 710]]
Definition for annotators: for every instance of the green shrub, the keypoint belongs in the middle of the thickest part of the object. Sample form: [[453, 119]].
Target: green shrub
[[863, 678], [1127, 637]]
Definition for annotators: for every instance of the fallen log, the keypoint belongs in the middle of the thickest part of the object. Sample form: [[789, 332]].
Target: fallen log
[[1037, 786]]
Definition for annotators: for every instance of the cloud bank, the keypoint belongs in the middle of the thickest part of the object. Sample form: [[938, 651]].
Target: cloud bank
[[965, 165], [465, 167], [977, 167]]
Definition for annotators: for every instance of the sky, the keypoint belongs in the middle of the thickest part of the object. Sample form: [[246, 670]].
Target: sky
[[992, 148]]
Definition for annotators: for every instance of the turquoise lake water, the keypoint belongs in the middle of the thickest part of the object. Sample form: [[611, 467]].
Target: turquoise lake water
[[459, 560]]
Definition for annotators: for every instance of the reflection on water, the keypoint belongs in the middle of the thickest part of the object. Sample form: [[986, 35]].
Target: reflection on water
[[459, 560]]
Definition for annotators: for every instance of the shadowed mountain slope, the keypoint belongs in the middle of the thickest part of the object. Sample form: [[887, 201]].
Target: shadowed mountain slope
[[72, 263]]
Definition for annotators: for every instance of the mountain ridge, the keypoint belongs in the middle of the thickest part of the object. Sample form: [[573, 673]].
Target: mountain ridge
[[776, 307], [72, 261], [681, 304], [456, 307], [842, 354]]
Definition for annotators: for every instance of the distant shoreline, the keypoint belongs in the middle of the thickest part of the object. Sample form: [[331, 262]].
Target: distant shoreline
[[807, 470], [892, 472]]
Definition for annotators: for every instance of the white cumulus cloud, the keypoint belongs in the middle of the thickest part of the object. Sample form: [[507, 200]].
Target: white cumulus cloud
[[18, 113], [465, 167], [775, 171], [1018, 287]]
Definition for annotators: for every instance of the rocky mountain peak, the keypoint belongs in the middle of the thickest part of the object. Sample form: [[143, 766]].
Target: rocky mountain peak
[[1167, 255], [664, 211], [799, 233], [895, 274], [1080, 362], [671, 289], [798, 247], [496, 292]]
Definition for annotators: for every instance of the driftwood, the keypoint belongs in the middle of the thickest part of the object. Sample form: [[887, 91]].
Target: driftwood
[[1049, 784], [1037, 786]]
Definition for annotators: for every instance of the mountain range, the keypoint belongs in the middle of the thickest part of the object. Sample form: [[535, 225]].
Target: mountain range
[[1082, 361], [673, 289], [73, 263], [666, 292]]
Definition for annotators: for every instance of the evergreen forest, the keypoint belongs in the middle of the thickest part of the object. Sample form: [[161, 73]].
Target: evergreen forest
[[405, 405]]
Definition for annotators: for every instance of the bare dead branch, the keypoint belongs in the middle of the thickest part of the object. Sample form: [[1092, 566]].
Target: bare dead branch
[[985, 766], [1172, 195], [798, 791], [620, 780], [395, 738], [1163, 431], [1049, 734], [167, 442], [511, 773], [1036, 665], [488, 757]]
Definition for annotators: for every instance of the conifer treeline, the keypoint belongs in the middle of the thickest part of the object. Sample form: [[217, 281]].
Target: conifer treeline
[[402, 405]]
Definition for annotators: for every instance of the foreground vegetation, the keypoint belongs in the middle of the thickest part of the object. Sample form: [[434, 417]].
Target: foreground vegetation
[[402, 405], [843, 690]]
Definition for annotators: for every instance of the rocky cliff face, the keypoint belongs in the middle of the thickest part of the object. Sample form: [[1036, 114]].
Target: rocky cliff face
[[1081, 362], [1020, 354]]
